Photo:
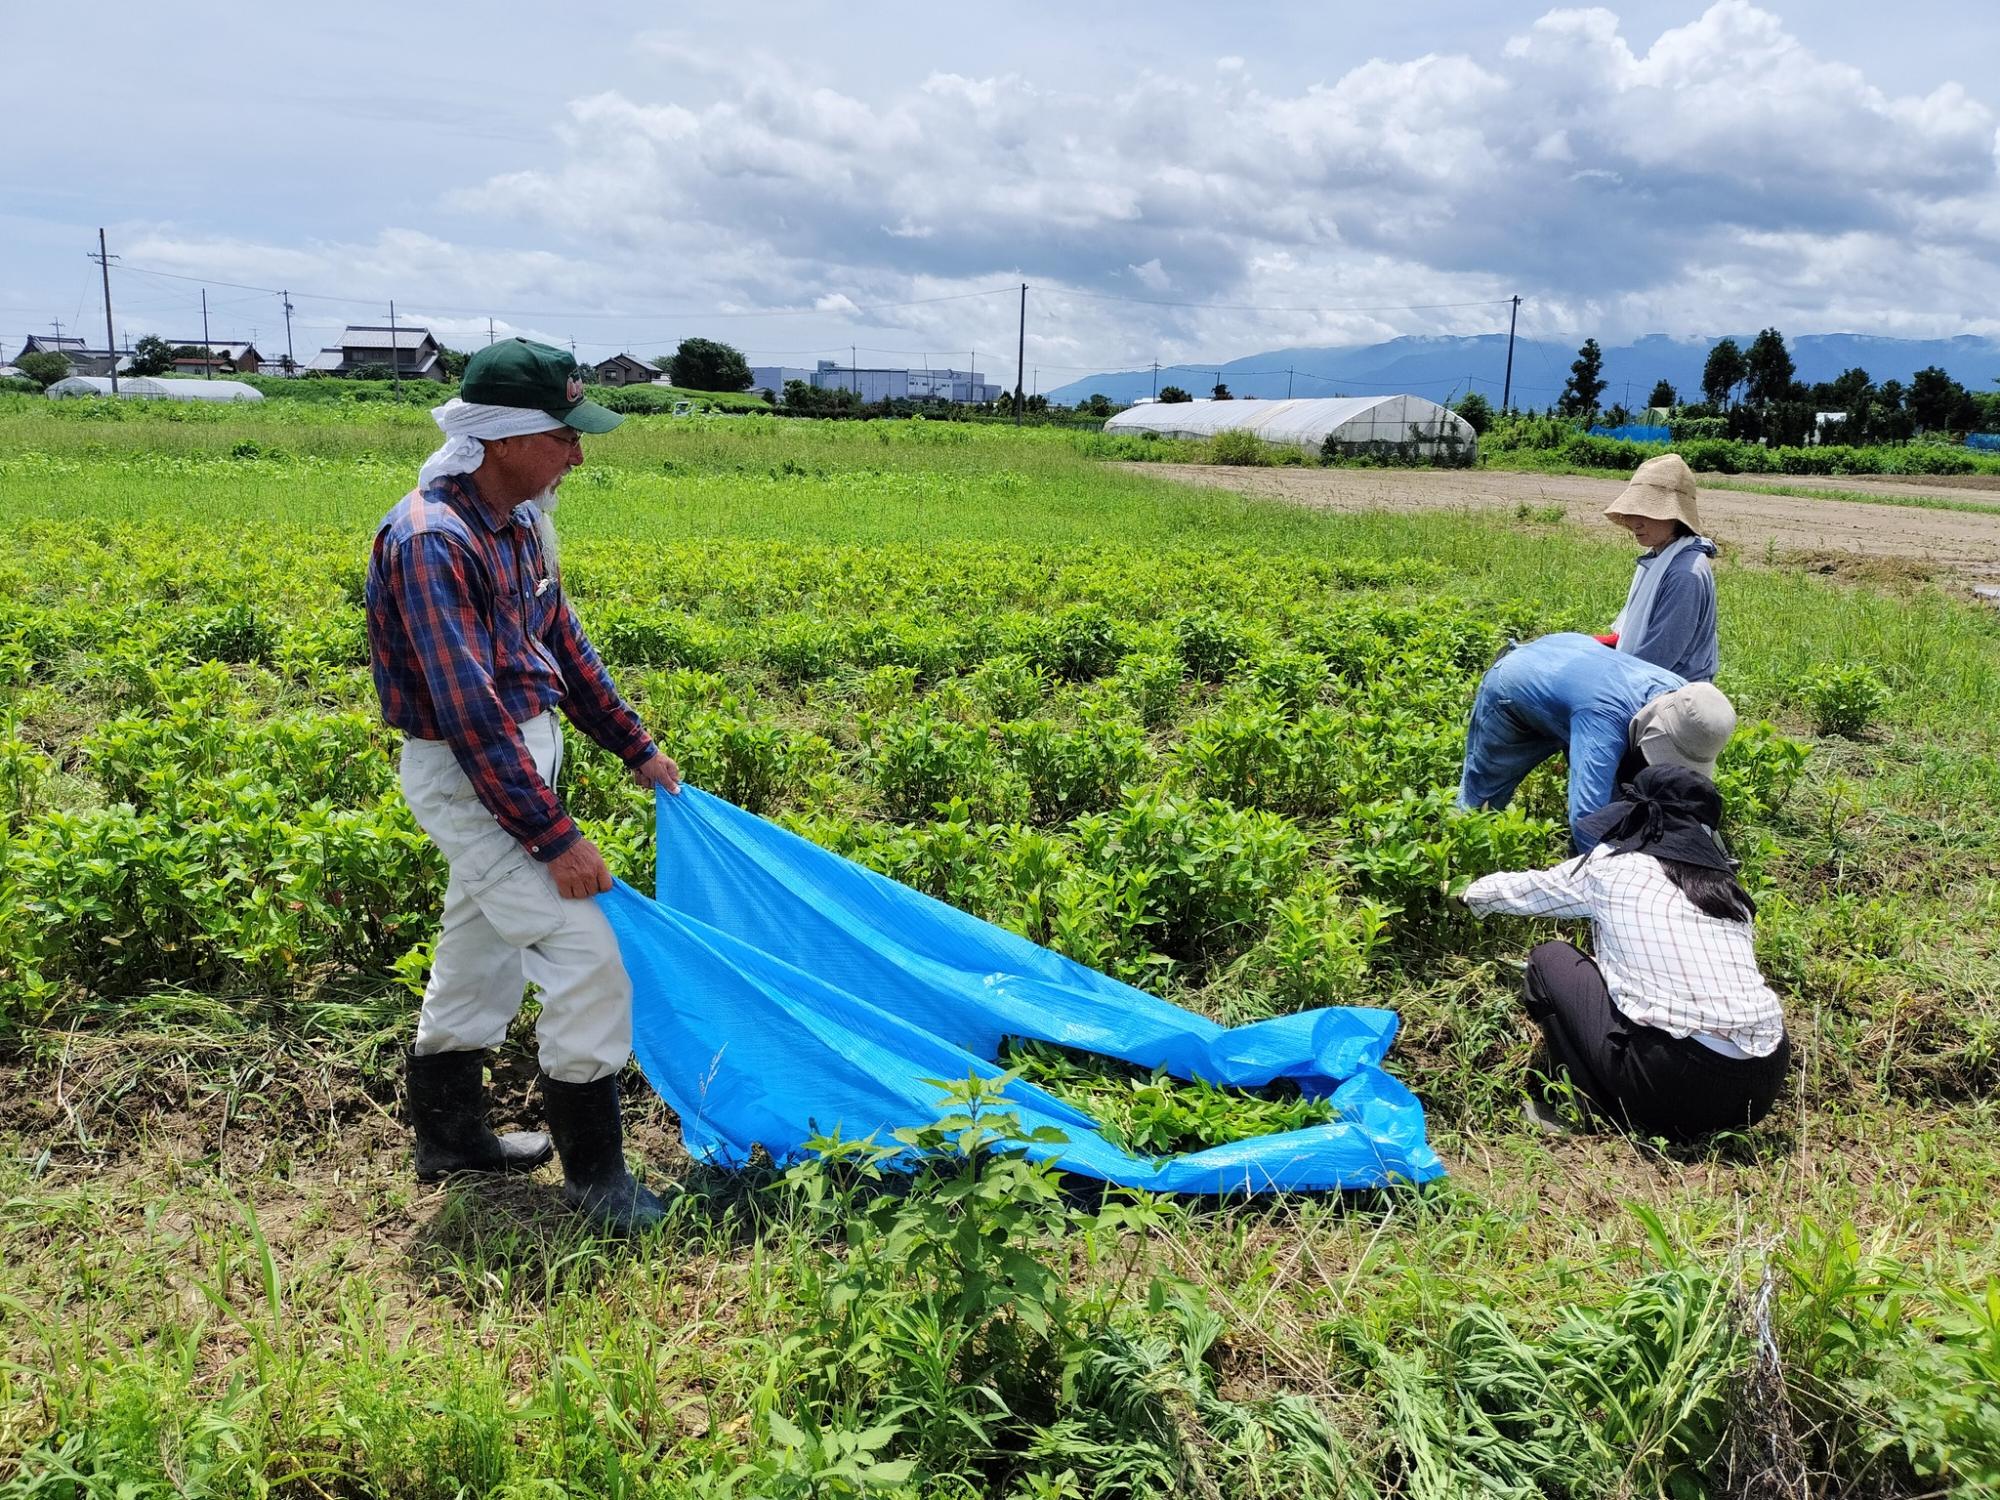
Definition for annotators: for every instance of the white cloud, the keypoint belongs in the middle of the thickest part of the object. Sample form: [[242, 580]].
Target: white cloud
[[1721, 174], [1597, 178]]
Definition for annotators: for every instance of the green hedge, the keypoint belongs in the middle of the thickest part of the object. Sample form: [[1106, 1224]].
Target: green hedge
[[1724, 456]]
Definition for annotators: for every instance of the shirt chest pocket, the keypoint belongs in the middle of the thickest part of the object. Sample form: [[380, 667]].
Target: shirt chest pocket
[[539, 597]]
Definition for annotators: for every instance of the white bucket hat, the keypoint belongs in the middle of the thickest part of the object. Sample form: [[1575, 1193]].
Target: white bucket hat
[[1687, 727], [1662, 489]]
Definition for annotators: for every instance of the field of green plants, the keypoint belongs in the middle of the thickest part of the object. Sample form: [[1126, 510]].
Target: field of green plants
[[1551, 444], [1204, 743]]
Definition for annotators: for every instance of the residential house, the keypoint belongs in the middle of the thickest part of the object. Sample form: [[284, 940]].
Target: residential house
[[83, 360], [220, 359], [411, 349], [623, 369], [42, 343]]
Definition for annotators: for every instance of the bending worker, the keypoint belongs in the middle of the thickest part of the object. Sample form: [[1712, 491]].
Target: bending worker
[[1669, 613], [474, 646], [1671, 1029], [1613, 713]]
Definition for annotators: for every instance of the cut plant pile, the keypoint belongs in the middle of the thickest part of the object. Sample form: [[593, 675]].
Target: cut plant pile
[[1204, 744], [1152, 1112]]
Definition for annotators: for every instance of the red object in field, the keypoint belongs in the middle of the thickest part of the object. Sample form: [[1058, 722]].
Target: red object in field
[[1606, 640]]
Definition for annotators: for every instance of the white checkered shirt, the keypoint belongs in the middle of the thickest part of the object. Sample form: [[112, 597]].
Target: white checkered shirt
[[1666, 962]]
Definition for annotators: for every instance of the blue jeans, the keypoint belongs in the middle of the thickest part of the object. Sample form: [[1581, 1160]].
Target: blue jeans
[[1500, 751]]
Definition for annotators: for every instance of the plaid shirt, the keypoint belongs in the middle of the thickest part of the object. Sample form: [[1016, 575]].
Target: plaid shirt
[[469, 636], [1666, 962]]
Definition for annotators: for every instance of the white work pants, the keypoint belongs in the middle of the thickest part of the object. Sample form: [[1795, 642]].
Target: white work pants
[[505, 923]]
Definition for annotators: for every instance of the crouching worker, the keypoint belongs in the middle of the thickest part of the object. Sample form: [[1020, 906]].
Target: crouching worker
[[1670, 1030], [1611, 713], [474, 647], [1669, 613]]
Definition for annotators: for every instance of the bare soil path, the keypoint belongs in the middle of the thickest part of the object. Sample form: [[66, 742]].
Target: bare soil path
[[1964, 545]]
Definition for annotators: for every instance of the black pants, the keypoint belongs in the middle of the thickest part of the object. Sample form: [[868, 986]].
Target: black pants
[[1638, 1075]]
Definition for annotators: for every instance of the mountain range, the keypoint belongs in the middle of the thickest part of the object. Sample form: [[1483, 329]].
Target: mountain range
[[1445, 368]]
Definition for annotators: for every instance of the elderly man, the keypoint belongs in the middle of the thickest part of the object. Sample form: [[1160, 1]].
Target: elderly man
[[474, 646], [1614, 714]]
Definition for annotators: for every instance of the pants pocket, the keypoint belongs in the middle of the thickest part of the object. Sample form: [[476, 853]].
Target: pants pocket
[[520, 900]]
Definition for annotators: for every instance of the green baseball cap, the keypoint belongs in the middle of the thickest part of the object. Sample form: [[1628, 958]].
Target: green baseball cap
[[521, 372]]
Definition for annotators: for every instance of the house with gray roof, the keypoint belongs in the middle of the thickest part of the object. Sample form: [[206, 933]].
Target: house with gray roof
[[411, 350]]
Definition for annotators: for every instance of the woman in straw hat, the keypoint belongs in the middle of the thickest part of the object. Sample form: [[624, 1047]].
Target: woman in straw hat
[[1670, 1028], [1669, 614]]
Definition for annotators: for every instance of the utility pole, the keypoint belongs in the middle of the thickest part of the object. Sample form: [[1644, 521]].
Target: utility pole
[[291, 365], [1021, 354], [489, 330], [207, 349], [110, 339], [56, 323], [395, 364], [1288, 382], [972, 379], [854, 369], [1156, 380], [1507, 386]]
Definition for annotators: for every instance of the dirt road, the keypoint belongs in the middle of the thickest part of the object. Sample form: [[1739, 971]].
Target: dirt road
[[1962, 544]]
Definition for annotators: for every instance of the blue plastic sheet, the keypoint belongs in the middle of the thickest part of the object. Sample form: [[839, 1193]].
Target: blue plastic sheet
[[782, 992]]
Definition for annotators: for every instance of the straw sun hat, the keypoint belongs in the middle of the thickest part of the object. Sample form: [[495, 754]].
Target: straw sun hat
[[1662, 489]]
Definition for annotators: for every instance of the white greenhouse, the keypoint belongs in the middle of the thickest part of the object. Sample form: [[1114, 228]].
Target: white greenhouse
[[1387, 426], [136, 387]]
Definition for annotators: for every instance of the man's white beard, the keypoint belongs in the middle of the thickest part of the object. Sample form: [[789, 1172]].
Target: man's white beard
[[545, 526]]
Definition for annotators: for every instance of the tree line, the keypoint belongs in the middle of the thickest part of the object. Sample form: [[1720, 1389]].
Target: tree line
[[1754, 394]]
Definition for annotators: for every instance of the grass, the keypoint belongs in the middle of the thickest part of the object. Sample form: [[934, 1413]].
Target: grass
[[221, 1278], [1932, 501]]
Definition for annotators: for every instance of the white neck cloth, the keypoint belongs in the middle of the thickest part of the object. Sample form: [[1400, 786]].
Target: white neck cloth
[[467, 424]]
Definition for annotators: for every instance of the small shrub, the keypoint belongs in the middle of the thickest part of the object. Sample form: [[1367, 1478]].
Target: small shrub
[[1841, 700], [1008, 686], [1080, 643], [235, 633], [1152, 686], [1213, 644], [1239, 447], [653, 638]]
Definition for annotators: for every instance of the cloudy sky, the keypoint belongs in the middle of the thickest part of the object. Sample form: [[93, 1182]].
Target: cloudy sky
[[1174, 181]]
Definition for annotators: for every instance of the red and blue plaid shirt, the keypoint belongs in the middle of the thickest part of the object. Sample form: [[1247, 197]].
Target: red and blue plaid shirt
[[470, 635]]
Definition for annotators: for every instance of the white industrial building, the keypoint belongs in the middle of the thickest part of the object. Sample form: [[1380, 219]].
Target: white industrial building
[[1392, 426], [952, 385], [877, 384]]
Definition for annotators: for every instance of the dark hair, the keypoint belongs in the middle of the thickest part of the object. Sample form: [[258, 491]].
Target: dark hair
[[1681, 529], [1716, 892]]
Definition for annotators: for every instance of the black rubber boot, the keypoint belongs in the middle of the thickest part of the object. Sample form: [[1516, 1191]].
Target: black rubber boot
[[447, 1103], [590, 1139]]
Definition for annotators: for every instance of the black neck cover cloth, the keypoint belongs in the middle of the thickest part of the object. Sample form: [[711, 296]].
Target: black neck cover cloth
[[1666, 811]]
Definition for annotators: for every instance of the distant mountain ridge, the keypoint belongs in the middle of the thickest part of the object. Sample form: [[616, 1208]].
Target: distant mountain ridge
[[1445, 368]]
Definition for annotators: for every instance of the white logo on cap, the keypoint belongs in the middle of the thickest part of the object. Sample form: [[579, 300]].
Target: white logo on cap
[[573, 392]]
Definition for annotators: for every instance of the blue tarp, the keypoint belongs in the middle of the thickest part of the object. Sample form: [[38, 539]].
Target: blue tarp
[[1633, 432], [1983, 442], [781, 992]]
